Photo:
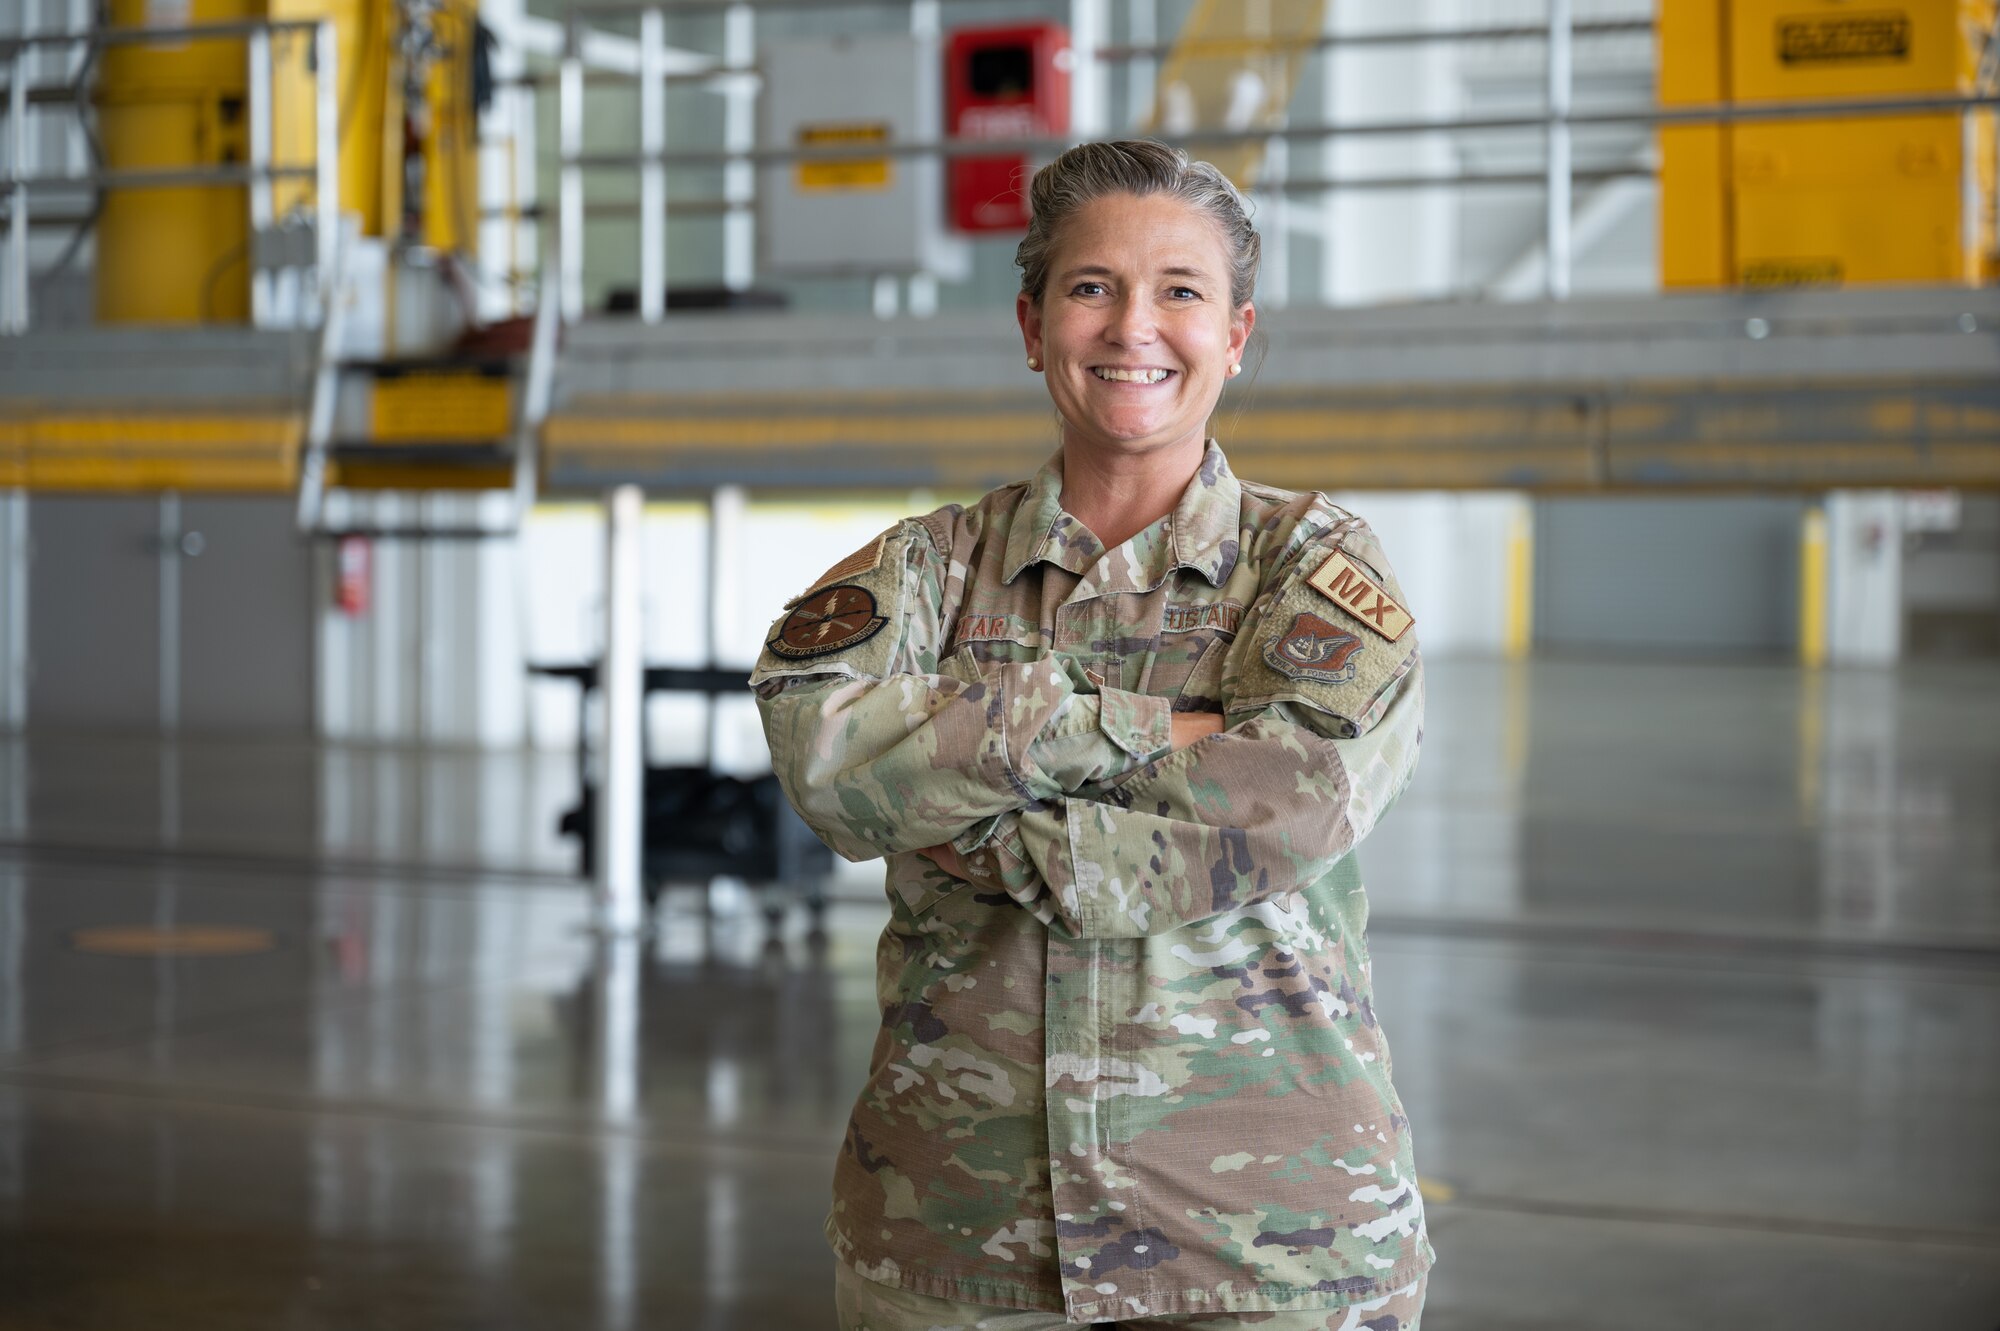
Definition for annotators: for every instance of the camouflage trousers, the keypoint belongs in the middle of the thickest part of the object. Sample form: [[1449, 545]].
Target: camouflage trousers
[[865, 1305]]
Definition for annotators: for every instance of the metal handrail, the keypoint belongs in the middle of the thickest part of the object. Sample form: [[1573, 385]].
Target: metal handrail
[[149, 35], [1333, 42], [1557, 120], [1720, 113], [715, 206], [260, 173], [1391, 37], [194, 175]]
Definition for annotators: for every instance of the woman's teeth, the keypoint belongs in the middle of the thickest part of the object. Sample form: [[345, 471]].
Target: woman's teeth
[[1130, 376]]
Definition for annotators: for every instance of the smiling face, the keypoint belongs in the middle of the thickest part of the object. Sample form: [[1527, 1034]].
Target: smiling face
[[1135, 330]]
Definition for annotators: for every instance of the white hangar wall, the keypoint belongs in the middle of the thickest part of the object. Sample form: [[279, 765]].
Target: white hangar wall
[[442, 655]]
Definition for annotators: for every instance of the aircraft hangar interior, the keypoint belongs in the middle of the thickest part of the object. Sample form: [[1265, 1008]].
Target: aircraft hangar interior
[[720, 664]]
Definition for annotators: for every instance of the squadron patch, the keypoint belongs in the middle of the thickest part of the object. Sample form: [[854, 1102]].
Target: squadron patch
[[829, 620], [1341, 581], [1314, 649]]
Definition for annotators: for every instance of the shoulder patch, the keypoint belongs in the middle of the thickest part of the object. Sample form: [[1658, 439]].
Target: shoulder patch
[[1311, 648], [1331, 636], [1342, 581], [826, 621]]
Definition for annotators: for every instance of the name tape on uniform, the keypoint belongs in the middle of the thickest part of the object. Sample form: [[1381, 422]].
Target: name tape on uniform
[[1342, 582]]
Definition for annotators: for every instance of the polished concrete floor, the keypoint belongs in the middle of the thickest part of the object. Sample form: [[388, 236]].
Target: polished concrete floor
[[1692, 974]]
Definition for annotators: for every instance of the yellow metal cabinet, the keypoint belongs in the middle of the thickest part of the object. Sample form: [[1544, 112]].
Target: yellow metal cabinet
[[1903, 198]]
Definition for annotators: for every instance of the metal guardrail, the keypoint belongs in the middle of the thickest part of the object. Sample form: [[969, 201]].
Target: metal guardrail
[[1558, 120], [260, 173]]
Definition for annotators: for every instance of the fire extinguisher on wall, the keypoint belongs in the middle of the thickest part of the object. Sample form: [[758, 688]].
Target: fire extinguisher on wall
[[353, 558]]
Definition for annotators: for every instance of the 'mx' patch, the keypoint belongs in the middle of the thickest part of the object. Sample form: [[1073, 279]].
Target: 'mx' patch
[[1314, 649], [826, 621], [1341, 581]]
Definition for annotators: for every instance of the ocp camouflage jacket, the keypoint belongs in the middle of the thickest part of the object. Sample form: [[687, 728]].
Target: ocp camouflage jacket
[[1133, 1068]]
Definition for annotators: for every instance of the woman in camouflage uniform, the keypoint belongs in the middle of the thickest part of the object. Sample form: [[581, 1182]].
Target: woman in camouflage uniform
[[1117, 730]]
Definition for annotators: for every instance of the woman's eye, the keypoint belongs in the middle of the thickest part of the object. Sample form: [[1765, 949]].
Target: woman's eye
[[1184, 293], [1087, 289]]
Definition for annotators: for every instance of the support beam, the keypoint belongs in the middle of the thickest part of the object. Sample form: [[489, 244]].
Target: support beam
[[1556, 243], [652, 175], [620, 748], [569, 136]]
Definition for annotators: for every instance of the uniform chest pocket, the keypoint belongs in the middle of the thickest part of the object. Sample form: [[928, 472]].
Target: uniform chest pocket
[[1187, 667]]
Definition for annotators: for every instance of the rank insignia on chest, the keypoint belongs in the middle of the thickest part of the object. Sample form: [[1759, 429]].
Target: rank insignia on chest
[[1341, 581], [830, 620], [1313, 649]]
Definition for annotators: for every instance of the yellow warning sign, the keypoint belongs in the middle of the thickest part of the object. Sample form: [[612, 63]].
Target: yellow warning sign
[[1827, 38], [848, 173], [442, 406]]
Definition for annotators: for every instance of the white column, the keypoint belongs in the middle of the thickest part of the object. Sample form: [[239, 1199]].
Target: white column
[[1089, 99], [262, 187], [725, 584], [569, 141], [652, 173], [1864, 577], [1143, 30], [1557, 189], [326, 163], [739, 134], [620, 906]]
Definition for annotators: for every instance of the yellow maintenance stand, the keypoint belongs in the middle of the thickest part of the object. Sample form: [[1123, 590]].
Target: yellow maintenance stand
[[1832, 202], [178, 254], [181, 254]]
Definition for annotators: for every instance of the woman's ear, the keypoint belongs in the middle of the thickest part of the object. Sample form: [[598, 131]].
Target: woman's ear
[[1029, 316], [1240, 327]]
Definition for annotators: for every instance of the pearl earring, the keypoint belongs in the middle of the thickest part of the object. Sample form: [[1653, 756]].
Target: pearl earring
[[1034, 364], [1235, 369]]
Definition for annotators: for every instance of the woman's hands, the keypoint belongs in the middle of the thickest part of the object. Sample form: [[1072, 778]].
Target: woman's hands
[[947, 858], [1191, 726], [1188, 728]]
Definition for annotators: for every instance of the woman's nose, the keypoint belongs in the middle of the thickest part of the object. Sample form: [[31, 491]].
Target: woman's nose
[[1132, 322]]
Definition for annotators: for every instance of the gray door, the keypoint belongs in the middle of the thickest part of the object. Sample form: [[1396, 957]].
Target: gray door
[[163, 612], [1667, 577], [94, 612], [246, 618]]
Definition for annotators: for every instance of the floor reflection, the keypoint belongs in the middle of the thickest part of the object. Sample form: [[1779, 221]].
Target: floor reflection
[[1691, 976]]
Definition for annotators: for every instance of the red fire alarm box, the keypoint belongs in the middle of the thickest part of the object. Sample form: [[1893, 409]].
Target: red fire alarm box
[[1002, 83], [352, 560]]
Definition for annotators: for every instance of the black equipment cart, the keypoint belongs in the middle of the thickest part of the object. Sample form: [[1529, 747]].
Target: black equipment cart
[[698, 824]]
